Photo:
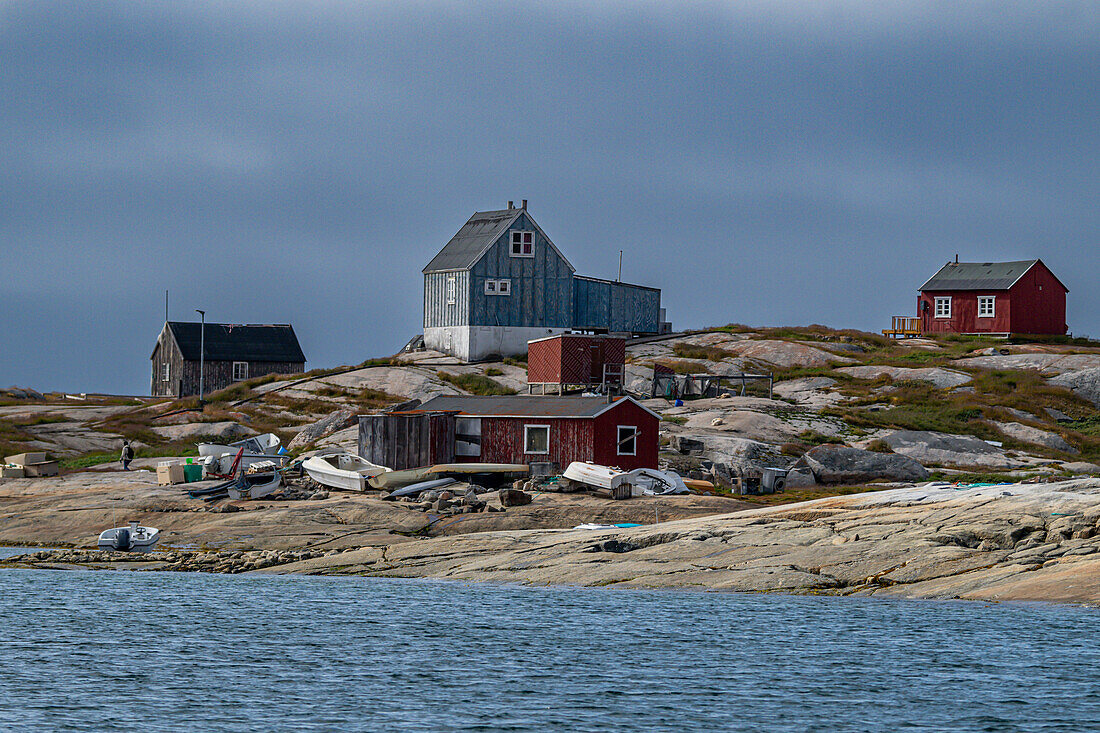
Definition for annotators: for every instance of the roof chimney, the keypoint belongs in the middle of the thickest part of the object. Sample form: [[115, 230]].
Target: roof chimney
[[511, 205], [956, 258], [524, 206]]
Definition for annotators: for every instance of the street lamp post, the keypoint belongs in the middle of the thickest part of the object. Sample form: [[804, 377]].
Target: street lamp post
[[202, 350]]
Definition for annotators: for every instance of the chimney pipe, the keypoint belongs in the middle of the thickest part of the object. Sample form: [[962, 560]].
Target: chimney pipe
[[524, 206], [511, 205], [956, 258]]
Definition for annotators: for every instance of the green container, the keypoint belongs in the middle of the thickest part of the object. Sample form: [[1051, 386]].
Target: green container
[[192, 473]]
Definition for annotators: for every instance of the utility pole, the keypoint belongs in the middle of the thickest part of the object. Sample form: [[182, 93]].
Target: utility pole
[[202, 351]]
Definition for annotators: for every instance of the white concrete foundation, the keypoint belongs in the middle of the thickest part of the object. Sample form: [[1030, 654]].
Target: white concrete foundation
[[475, 343]]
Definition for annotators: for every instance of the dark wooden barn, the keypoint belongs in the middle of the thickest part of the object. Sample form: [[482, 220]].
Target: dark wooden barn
[[231, 353], [575, 361], [517, 429], [993, 297]]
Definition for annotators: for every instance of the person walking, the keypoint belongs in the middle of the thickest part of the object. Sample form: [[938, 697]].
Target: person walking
[[127, 455]]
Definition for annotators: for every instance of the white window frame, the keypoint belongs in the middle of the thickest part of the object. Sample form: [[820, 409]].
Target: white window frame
[[167, 372], [945, 311], [527, 440], [451, 290], [516, 238], [619, 440], [237, 373], [498, 287], [992, 302]]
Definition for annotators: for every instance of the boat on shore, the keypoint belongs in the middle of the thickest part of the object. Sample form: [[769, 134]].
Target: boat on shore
[[133, 538], [343, 471]]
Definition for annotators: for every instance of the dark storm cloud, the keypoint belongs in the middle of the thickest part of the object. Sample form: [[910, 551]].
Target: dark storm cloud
[[296, 162]]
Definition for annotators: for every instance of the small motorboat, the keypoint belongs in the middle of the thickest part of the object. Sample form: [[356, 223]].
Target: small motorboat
[[625, 484], [254, 485], [133, 538], [344, 471]]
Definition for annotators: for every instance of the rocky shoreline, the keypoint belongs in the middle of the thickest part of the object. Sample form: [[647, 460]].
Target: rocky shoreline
[[1033, 542]]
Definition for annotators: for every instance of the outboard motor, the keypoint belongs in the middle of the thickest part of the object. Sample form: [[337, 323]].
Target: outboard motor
[[122, 539]]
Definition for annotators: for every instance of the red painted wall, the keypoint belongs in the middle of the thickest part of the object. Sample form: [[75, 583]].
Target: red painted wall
[[572, 359], [626, 413], [1035, 304], [571, 439], [1038, 303]]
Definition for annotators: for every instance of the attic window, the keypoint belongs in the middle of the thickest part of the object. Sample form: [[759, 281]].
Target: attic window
[[240, 371], [523, 244], [943, 307], [986, 306]]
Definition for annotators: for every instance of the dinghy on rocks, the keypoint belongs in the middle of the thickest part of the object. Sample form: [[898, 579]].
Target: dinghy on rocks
[[343, 471], [133, 538]]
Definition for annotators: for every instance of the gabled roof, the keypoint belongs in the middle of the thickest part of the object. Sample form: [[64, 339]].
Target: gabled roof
[[979, 275], [229, 342], [476, 237], [524, 406]]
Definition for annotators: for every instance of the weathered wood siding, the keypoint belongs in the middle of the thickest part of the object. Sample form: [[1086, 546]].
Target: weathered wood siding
[[166, 351], [602, 305], [402, 441], [1038, 303], [541, 286], [438, 311], [502, 440], [606, 437]]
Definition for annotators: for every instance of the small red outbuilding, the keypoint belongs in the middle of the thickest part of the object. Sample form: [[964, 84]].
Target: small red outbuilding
[[575, 360], [993, 297], [529, 429]]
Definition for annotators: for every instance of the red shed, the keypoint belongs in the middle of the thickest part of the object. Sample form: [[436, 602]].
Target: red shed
[[529, 429], [993, 297], [575, 360]]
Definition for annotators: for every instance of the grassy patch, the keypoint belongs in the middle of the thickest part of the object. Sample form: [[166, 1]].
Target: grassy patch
[[812, 437], [683, 367], [706, 353], [879, 446], [674, 419], [494, 372], [88, 459], [516, 362], [477, 384]]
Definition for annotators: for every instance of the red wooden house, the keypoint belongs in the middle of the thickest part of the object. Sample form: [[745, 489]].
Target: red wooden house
[[993, 297], [575, 360], [528, 429]]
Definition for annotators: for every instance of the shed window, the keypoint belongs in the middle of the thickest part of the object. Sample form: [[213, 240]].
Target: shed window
[[450, 291], [536, 438], [523, 244], [240, 371], [167, 372], [628, 440], [986, 306], [943, 307]]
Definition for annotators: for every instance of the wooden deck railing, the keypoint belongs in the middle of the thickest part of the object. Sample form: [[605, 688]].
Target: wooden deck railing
[[903, 327]]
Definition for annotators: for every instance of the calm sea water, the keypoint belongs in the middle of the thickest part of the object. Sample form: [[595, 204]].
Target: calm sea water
[[181, 652]]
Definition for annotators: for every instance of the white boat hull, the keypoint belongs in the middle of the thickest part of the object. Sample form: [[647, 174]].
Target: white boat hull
[[342, 471], [134, 538]]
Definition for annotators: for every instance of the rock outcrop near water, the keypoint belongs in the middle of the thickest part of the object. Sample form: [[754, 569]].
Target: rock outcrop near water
[[1036, 542]]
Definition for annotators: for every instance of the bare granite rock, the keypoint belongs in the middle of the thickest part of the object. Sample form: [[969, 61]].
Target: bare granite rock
[[213, 430], [1028, 434], [932, 448], [839, 464], [338, 420], [936, 376], [1083, 383]]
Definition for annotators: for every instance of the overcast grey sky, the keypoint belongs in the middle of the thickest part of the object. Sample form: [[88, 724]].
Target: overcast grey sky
[[766, 163]]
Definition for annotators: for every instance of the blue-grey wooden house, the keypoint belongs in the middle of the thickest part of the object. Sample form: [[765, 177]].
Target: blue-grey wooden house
[[500, 282]]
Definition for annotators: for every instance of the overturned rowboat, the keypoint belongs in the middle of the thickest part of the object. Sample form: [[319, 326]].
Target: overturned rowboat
[[625, 484], [343, 471]]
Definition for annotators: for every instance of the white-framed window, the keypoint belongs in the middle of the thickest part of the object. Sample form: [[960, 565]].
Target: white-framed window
[[240, 371], [943, 307], [498, 287], [167, 372], [523, 244], [450, 291], [986, 305], [627, 440], [536, 439]]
